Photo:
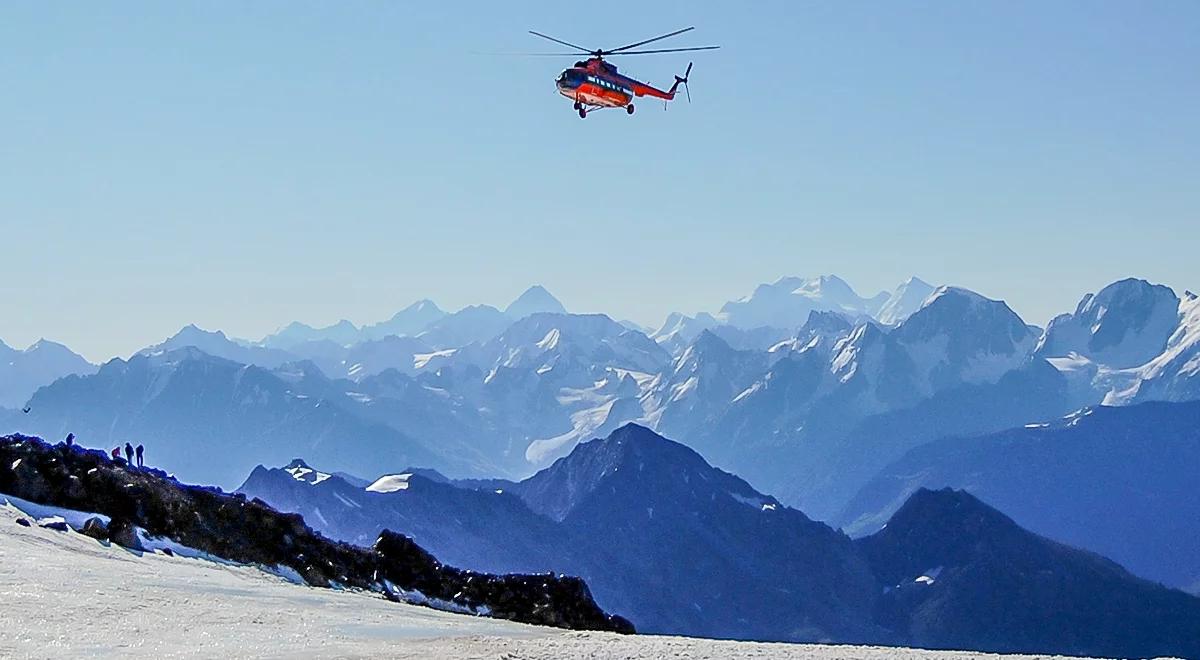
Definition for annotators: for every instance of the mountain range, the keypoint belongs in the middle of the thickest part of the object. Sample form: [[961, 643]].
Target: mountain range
[[680, 547], [812, 412]]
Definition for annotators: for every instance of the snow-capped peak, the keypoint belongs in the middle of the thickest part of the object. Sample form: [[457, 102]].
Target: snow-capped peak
[[300, 471], [904, 301], [1125, 324]]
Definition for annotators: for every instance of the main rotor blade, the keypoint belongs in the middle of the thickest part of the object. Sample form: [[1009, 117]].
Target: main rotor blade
[[643, 43], [537, 54], [663, 50], [559, 41]]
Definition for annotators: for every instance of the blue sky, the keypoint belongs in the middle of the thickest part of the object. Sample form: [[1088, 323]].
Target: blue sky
[[240, 165]]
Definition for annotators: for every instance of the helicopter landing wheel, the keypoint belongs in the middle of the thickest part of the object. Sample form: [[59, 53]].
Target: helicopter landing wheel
[[629, 109], [578, 105], [582, 113]]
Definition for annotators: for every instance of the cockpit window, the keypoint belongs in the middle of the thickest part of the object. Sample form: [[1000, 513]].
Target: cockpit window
[[571, 77]]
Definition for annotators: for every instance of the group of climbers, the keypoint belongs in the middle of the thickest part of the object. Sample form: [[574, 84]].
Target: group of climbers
[[130, 452]]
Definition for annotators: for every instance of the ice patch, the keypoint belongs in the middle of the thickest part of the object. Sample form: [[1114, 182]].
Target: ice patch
[[390, 483], [298, 472], [550, 340], [422, 360], [684, 388], [930, 576], [748, 391]]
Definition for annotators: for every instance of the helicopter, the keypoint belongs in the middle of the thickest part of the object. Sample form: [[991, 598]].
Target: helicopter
[[594, 84]]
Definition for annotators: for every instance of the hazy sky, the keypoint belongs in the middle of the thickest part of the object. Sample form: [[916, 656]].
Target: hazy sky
[[240, 165]]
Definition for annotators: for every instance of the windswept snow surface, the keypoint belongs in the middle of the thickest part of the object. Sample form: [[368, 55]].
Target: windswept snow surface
[[65, 595]]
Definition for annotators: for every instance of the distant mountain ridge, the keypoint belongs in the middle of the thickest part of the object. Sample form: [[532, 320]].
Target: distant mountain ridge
[[684, 548], [220, 415], [423, 317], [22, 372], [846, 391], [1119, 481]]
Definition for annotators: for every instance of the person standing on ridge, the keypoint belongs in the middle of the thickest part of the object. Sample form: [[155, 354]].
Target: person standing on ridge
[[129, 453], [70, 439], [139, 451], [116, 453]]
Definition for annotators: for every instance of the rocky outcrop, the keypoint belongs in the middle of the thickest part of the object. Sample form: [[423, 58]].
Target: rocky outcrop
[[237, 529]]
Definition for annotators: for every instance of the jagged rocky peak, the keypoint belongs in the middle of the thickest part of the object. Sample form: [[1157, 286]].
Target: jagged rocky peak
[[969, 323], [633, 451], [904, 301], [823, 322], [1125, 324], [535, 299], [705, 350]]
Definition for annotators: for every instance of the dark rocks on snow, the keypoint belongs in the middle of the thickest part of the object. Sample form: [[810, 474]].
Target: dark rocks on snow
[[124, 533], [56, 525], [250, 531], [22, 522], [95, 528]]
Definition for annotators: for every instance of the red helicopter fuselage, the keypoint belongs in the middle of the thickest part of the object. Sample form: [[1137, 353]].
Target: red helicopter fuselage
[[594, 82]]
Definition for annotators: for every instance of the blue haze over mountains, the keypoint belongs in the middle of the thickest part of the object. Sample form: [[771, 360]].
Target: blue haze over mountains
[[826, 399], [683, 548]]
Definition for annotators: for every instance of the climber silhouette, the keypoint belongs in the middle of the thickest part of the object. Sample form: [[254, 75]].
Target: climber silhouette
[[70, 439], [129, 453], [138, 451]]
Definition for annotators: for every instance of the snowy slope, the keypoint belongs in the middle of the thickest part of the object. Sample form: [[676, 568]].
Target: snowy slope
[[1175, 374], [67, 596]]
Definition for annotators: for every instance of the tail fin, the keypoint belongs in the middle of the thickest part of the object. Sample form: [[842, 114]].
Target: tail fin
[[683, 81]]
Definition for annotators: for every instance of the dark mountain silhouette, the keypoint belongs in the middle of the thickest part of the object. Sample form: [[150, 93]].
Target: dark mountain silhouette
[[684, 548], [957, 574], [1118, 481]]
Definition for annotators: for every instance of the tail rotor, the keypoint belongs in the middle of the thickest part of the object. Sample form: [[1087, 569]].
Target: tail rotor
[[684, 81]]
